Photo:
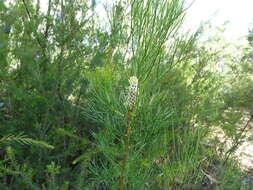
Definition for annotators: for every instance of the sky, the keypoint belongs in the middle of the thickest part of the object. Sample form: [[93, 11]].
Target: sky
[[239, 13]]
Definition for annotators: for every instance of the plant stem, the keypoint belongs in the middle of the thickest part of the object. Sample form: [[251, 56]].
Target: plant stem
[[130, 116]]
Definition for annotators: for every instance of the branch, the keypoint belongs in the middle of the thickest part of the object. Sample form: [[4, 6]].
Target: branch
[[48, 15], [27, 10], [62, 11], [37, 7], [211, 179], [237, 142], [24, 140], [30, 18], [40, 43]]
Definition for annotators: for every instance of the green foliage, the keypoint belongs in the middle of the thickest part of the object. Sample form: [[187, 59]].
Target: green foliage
[[231, 177], [42, 88], [64, 83]]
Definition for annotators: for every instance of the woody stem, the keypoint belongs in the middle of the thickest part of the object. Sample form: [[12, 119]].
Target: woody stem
[[126, 150]]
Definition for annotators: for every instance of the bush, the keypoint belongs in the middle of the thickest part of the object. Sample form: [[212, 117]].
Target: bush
[[128, 106]]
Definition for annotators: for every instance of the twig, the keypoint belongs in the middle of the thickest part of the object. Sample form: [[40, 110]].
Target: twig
[[211, 179], [35, 32], [237, 142], [48, 15], [27, 10]]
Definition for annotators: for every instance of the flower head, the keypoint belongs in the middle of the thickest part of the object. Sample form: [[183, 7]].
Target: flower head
[[132, 92]]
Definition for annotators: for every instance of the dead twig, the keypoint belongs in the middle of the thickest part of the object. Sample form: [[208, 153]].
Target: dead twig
[[210, 178]]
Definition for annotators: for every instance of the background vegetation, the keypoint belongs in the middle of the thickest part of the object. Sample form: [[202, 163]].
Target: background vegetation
[[65, 117]]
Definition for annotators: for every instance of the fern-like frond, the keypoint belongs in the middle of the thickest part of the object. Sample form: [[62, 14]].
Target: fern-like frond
[[22, 139]]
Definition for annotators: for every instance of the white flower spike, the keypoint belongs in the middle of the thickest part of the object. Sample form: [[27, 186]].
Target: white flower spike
[[132, 92]]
